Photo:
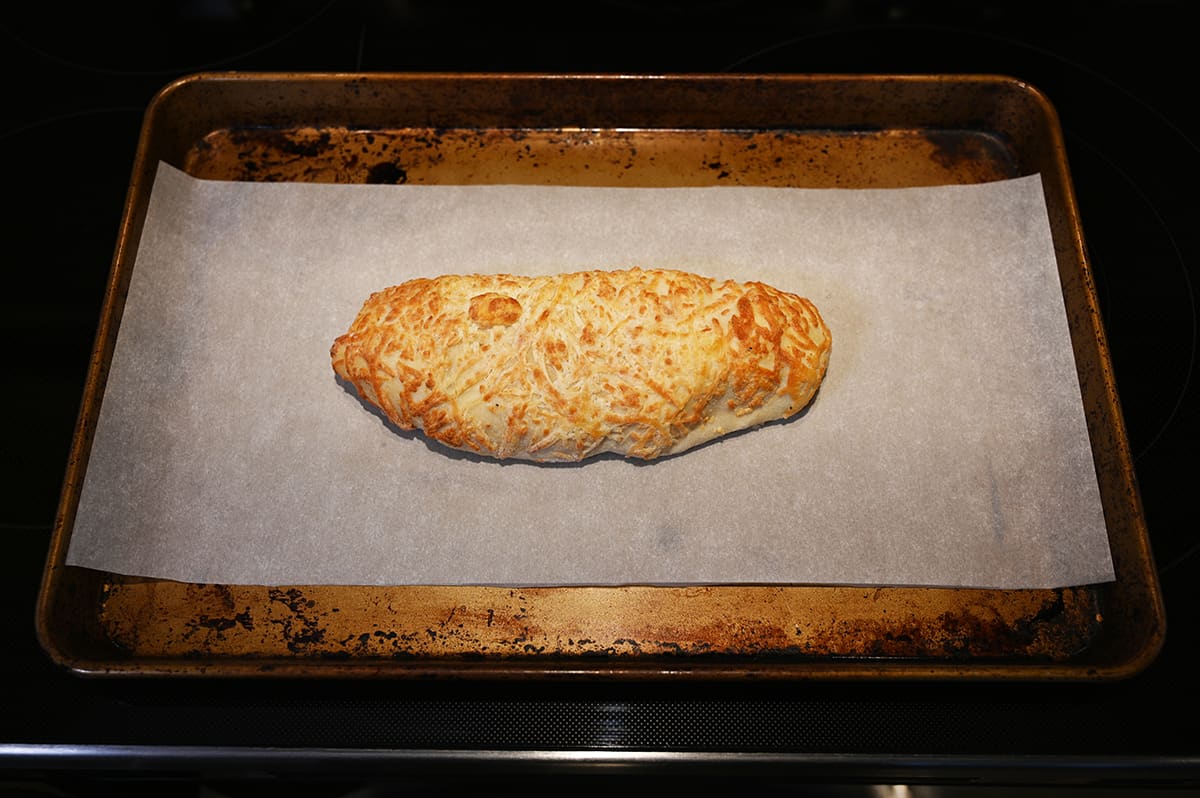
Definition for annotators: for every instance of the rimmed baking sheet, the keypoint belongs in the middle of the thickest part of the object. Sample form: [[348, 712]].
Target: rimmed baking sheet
[[151, 625]]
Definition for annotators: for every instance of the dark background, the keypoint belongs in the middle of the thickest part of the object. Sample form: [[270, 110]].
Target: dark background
[[1121, 75]]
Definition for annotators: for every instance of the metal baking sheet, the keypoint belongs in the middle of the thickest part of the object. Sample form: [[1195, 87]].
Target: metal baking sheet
[[801, 131]]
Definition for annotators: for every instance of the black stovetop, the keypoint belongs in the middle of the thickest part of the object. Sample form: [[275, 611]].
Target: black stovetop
[[1119, 74]]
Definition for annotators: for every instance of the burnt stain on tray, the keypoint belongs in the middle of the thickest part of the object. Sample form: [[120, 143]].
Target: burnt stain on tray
[[217, 622], [969, 634], [873, 158], [387, 173], [971, 151], [301, 630]]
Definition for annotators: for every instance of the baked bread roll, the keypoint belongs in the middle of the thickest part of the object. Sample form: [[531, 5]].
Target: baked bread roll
[[558, 368]]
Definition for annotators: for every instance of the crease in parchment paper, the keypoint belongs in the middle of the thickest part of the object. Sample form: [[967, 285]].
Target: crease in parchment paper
[[946, 447]]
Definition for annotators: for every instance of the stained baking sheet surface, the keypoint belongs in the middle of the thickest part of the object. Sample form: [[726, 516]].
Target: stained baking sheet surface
[[946, 447]]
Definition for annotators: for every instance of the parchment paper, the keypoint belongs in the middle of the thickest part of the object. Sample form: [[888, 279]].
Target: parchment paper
[[946, 447]]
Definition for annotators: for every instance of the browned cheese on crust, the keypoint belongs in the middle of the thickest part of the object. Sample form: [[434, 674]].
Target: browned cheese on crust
[[641, 362]]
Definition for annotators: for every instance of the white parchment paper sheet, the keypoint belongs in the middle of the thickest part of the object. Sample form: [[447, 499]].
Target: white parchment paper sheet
[[947, 445]]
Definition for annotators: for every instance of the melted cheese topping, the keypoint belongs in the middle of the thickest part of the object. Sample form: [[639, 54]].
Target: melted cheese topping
[[559, 368]]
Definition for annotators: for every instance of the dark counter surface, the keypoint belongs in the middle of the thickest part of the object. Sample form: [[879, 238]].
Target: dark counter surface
[[1120, 75]]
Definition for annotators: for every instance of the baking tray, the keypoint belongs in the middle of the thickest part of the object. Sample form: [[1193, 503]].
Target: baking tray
[[605, 130]]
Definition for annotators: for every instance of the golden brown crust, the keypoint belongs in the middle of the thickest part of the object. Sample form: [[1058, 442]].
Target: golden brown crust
[[559, 368]]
